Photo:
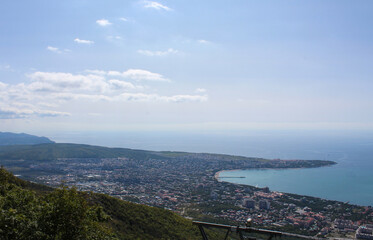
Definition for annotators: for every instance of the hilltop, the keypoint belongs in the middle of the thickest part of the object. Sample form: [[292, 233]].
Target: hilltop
[[7, 138]]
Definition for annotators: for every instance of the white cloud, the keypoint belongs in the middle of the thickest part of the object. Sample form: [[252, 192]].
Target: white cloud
[[157, 53], [139, 75], [83, 41], [53, 49], [202, 41], [48, 113], [3, 85], [57, 81], [123, 19], [103, 22], [57, 50], [118, 84], [133, 74], [11, 112], [186, 98], [142, 97], [137, 97], [47, 104], [114, 73], [200, 90], [156, 5], [54, 89], [132, 97]]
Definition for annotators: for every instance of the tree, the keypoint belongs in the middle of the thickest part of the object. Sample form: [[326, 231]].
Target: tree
[[59, 215], [67, 215]]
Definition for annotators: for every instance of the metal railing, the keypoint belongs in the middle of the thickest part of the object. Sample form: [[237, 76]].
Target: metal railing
[[240, 230]]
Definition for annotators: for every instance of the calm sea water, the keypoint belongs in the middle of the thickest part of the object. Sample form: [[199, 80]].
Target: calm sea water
[[350, 180]]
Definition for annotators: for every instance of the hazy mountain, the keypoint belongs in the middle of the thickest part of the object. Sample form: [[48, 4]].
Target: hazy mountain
[[7, 138]]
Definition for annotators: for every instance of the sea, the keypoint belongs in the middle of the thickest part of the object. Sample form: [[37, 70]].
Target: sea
[[350, 180]]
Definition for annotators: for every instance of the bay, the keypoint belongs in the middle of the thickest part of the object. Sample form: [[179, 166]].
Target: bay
[[350, 180], [340, 183]]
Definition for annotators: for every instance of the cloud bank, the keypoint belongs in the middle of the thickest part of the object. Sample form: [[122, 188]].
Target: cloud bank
[[46, 92]]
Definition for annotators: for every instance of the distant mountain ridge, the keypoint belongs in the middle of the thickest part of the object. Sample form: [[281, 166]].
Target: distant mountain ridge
[[34, 151], [8, 138], [48, 152]]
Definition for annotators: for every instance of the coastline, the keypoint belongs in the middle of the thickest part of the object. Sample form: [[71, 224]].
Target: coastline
[[320, 195], [217, 174]]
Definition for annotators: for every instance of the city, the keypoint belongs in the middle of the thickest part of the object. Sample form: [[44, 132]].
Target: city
[[189, 185]]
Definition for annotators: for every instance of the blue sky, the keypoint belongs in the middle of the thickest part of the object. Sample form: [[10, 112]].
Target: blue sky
[[185, 65]]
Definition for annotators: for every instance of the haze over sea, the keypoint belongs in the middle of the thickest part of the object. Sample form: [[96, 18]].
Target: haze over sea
[[350, 180]]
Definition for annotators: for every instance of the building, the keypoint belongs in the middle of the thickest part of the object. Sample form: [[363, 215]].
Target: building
[[264, 204], [364, 232], [239, 196], [214, 195], [248, 203], [266, 189]]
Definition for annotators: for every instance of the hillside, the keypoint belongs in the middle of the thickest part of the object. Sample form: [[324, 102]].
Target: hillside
[[48, 152], [7, 138], [126, 220], [42, 152]]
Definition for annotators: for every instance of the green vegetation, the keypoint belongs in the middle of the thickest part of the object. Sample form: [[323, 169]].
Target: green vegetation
[[135, 221], [60, 214]]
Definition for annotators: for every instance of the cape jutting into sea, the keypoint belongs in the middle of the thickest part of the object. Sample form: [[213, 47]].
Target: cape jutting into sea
[[350, 180]]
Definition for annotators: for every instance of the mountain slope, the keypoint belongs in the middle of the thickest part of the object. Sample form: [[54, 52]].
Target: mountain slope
[[42, 152], [136, 221], [7, 138]]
